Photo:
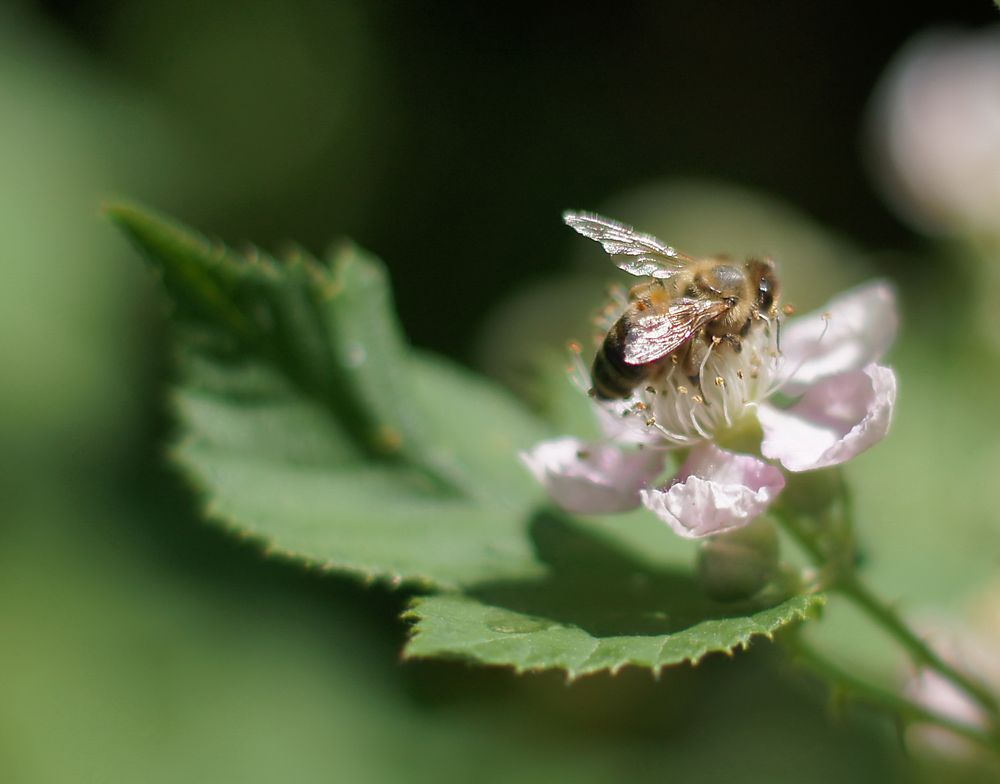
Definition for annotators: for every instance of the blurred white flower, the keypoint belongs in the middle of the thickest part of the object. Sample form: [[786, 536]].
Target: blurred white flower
[[935, 123], [828, 358], [972, 645]]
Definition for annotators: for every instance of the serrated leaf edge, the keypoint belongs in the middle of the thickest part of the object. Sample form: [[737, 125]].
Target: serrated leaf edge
[[797, 614], [268, 547]]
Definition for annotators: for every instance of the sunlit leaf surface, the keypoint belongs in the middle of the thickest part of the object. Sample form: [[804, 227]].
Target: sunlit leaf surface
[[309, 425], [598, 609]]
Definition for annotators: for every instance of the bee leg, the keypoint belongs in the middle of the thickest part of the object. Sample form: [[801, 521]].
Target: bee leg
[[734, 342], [695, 355]]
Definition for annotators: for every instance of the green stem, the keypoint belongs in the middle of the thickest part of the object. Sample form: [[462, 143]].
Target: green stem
[[883, 699], [838, 568], [883, 615], [806, 542]]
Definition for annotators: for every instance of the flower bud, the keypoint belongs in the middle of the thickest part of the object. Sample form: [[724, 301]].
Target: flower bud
[[737, 565]]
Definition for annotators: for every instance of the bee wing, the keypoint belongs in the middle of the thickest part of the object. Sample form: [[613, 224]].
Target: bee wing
[[643, 254], [653, 337]]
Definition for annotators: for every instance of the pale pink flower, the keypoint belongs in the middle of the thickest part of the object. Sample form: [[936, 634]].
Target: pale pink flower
[[828, 360], [592, 478], [715, 491], [971, 644]]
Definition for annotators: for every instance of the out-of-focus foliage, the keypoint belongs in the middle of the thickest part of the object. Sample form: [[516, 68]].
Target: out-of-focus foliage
[[68, 136], [265, 100]]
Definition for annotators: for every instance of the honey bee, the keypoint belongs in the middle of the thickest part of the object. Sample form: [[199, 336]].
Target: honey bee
[[688, 308]]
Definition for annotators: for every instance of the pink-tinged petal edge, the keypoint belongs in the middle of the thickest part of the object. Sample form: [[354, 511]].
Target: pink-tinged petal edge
[[715, 492], [588, 478], [836, 419], [853, 330]]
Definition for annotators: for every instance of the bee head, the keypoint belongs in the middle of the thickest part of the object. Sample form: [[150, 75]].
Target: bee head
[[724, 280], [765, 281]]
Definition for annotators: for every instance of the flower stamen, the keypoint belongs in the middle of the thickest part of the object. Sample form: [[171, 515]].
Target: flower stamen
[[784, 379], [721, 383]]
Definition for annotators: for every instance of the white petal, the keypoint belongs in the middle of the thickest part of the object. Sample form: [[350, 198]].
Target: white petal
[[716, 491], [835, 420], [592, 478], [855, 329]]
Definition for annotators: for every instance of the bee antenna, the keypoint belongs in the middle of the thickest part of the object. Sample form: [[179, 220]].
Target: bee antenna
[[809, 355]]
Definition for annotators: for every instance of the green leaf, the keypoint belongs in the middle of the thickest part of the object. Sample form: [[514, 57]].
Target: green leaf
[[598, 609], [309, 424], [454, 626], [559, 399]]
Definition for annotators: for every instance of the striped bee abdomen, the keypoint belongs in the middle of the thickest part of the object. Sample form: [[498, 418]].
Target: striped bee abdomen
[[611, 376]]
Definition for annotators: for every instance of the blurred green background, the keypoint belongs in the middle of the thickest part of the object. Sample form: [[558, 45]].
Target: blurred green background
[[140, 644]]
